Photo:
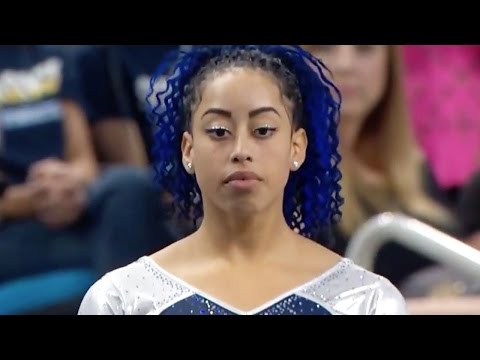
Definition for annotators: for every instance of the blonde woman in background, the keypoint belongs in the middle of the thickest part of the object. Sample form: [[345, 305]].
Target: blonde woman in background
[[383, 169]]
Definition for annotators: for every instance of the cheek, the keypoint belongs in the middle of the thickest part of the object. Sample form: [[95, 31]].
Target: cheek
[[376, 85], [276, 159], [209, 161], [375, 77]]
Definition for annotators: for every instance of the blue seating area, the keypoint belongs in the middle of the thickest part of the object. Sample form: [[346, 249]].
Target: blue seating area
[[33, 294]]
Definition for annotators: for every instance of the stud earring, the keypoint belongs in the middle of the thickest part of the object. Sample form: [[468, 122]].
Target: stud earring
[[295, 164], [189, 165]]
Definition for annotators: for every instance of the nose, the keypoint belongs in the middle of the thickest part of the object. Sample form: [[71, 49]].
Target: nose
[[241, 150], [345, 59]]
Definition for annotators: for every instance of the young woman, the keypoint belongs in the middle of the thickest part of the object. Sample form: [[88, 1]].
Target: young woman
[[247, 143], [382, 166]]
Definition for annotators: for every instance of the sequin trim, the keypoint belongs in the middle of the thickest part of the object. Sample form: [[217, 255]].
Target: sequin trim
[[166, 290]]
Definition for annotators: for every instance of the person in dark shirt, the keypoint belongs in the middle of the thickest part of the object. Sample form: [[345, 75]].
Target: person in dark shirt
[[58, 209], [116, 80]]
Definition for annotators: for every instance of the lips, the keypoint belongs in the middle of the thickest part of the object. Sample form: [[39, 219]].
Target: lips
[[242, 181], [242, 176]]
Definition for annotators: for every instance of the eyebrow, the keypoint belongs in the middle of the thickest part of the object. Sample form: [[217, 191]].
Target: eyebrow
[[251, 114], [258, 111], [217, 111]]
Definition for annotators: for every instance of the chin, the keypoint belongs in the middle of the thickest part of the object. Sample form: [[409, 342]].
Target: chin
[[243, 208], [354, 109], [351, 112]]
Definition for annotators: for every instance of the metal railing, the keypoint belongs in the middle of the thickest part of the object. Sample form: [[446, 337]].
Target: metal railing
[[415, 235]]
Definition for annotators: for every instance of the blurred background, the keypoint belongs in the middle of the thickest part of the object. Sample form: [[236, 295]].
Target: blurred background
[[77, 196]]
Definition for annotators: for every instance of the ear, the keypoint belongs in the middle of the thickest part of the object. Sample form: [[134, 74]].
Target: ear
[[187, 152], [298, 149]]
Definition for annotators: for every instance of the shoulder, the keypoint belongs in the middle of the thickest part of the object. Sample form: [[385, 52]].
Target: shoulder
[[92, 56], [349, 289], [107, 296], [377, 295], [385, 298], [139, 288], [68, 54]]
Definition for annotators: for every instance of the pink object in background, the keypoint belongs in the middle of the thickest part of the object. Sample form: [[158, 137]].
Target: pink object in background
[[443, 91]]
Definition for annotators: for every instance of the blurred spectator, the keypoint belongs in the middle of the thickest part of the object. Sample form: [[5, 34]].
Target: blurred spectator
[[116, 80], [383, 169], [58, 210]]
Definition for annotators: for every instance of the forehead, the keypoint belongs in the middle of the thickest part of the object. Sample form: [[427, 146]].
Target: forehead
[[241, 87]]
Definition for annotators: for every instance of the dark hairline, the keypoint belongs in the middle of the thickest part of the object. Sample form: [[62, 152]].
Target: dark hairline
[[288, 104]]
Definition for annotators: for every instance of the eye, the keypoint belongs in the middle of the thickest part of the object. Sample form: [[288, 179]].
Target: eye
[[218, 131], [264, 131], [324, 49], [365, 48]]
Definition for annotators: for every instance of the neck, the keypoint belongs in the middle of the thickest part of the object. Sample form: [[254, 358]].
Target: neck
[[237, 237]]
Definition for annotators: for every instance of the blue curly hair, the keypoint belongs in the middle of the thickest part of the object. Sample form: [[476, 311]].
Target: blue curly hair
[[312, 198]]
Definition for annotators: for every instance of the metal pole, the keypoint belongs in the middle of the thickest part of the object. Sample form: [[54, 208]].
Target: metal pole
[[415, 235]]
